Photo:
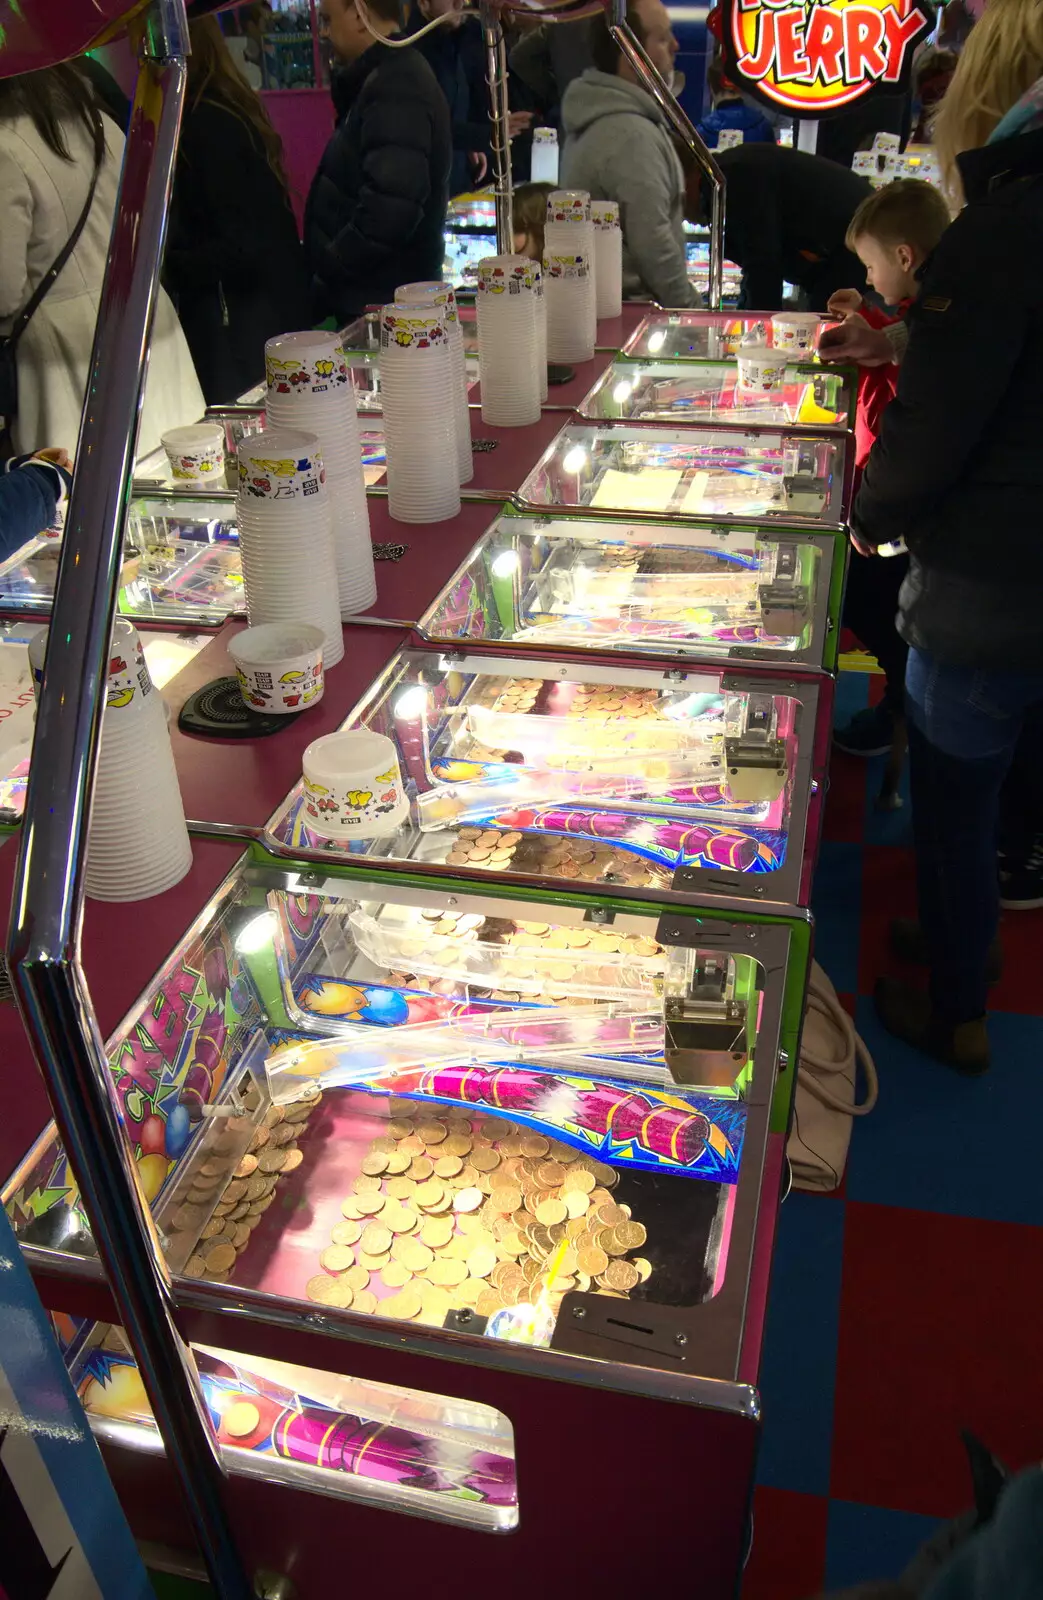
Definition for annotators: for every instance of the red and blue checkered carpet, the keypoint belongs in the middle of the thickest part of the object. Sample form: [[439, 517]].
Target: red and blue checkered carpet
[[909, 1305]]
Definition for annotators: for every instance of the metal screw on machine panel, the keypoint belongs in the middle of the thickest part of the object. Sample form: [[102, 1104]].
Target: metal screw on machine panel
[[464, 1314], [579, 1312], [674, 933], [680, 1338], [451, 901], [309, 879]]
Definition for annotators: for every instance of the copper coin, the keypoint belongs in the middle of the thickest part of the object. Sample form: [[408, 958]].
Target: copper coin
[[374, 1164], [375, 1240], [338, 1258], [364, 1301], [220, 1257], [346, 1233], [327, 1291]]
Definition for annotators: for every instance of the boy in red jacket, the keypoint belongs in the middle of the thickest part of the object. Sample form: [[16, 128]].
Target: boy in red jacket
[[893, 232]]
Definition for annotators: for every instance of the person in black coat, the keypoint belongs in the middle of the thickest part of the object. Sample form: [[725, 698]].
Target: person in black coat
[[957, 472], [786, 214], [234, 264], [376, 211], [455, 55]]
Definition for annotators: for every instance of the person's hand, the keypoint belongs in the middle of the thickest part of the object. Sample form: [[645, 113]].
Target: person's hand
[[518, 122], [854, 340], [860, 544], [61, 458], [479, 165], [844, 303]]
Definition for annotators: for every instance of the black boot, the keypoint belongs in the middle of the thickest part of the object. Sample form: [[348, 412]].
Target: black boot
[[908, 1014], [907, 943]]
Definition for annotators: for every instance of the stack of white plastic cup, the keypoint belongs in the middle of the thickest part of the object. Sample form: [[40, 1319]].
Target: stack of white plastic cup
[[541, 330], [567, 285], [310, 389], [443, 294], [544, 162], [286, 535], [416, 376], [508, 341], [608, 257], [570, 231], [138, 845]]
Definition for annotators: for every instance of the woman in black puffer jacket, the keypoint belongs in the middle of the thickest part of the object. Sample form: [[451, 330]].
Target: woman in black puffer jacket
[[958, 473]]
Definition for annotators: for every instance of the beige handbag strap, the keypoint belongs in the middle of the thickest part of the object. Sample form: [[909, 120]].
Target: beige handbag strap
[[829, 1007]]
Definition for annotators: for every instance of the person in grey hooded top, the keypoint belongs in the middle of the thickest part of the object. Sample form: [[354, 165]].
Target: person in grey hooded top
[[618, 147]]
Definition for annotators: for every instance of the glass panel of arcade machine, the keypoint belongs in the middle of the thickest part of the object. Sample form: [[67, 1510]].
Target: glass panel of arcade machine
[[363, 335], [351, 1438], [449, 1101], [813, 397], [177, 567], [700, 335], [663, 588], [589, 774], [702, 473]]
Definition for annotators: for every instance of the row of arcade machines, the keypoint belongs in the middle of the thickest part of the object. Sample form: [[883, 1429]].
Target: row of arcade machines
[[465, 1148]]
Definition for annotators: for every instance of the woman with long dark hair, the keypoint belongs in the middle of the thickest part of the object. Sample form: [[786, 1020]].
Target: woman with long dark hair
[[234, 261], [60, 162]]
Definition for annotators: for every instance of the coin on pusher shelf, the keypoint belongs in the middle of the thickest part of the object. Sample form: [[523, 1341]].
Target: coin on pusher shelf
[[374, 1164], [220, 1257], [375, 1239], [373, 1263], [468, 1200], [194, 1267], [643, 1268], [403, 1306], [364, 1300], [437, 1231], [399, 1219], [338, 1258], [327, 1291], [240, 1419], [395, 1275], [346, 1233]]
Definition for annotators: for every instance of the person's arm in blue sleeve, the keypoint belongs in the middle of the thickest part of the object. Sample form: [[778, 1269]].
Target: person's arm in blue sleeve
[[29, 493]]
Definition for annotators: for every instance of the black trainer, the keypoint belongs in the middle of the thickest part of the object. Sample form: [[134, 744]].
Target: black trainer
[[907, 943], [869, 733], [1021, 882]]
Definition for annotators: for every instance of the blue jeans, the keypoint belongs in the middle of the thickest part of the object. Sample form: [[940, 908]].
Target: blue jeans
[[968, 730]]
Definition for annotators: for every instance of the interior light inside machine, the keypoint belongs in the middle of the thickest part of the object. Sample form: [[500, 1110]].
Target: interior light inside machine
[[575, 459], [656, 341], [257, 935], [506, 564], [411, 703], [622, 392]]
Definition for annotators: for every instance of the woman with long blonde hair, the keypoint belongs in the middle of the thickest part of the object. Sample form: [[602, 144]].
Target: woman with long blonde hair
[[234, 261], [957, 472]]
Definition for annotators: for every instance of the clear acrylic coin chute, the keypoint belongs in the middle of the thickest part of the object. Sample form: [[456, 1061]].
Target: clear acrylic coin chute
[[703, 474], [810, 397], [689, 780], [529, 1133], [669, 590]]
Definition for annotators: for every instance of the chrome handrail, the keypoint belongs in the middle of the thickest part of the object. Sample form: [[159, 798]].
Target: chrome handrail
[[47, 903]]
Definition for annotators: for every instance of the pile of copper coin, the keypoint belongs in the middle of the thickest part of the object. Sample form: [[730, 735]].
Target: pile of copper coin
[[454, 1209]]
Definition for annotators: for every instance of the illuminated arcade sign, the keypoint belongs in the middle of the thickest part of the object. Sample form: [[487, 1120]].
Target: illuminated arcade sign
[[813, 59]]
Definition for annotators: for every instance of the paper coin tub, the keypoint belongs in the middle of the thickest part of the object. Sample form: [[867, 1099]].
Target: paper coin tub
[[196, 454], [508, 343], [138, 844], [608, 257], [762, 370], [569, 230], [353, 786], [436, 293], [286, 535], [279, 667], [796, 330], [310, 388], [416, 368]]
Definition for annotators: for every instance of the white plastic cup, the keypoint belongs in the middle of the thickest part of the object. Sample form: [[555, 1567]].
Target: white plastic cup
[[438, 293], [279, 667], [795, 330], [353, 785], [762, 370], [508, 340], [543, 166], [197, 453], [608, 258]]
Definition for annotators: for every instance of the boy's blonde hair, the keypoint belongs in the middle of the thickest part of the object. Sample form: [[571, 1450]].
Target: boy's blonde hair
[[1002, 58], [908, 211], [529, 212]]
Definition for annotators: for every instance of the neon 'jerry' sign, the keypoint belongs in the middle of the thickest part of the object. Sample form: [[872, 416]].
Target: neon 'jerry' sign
[[812, 59]]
